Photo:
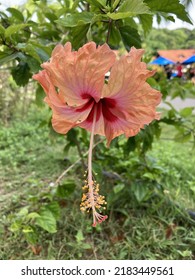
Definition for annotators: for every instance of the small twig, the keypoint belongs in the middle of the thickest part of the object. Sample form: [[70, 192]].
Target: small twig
[[73, 165], [80, 153]]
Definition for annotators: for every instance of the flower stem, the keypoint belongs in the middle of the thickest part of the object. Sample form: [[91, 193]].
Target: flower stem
[[91, 199]]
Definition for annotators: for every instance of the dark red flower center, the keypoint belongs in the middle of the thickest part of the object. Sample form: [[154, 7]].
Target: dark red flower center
[[103, 107]]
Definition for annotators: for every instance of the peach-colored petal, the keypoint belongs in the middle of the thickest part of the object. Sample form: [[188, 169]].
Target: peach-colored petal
[[141, 108], [119, 127], [133, 96], [79, 73], [64, 117], [119, 124], [67, 117], [60, 125], [127, 76], [51, 95]]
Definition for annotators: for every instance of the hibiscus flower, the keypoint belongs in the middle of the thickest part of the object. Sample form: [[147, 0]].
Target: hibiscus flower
[[76, 91]]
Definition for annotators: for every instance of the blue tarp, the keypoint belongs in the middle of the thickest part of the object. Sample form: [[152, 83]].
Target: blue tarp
[[189, 60], [162, 61]]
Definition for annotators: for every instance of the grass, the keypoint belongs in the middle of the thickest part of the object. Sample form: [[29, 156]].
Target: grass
[[149, 225]]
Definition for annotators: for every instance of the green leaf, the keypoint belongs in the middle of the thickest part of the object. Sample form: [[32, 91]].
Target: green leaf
[[98, 3], [54, 208], [32, 59], [2, 30], [75, 4], [130, 37], [146, 21], [31, 237], [149, 175], [72, 136], [66, 188], [89, 32], [12, 29], [27, 229], [46, 220], [23, 211], [79, 236], [172, 7], [51, 16], [115, 36], [140, 191], [32, 216], [158, 18], [153, 83], [76, 19], [129, 21], [118, 188], [67, 147], [116, 16], [67, 3], [115, 4], [16, 226], [186, 112], [33, 64], [6, 57], [78, 35], [102, 2], [29, 49], [21, 74], [129, 146], [16, 13], [135, 6], [170, 18], [130, 8], [44, 52]]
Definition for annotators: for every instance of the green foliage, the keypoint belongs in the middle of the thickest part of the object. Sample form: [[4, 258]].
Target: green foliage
[[21, 73], [146, 21], [48, 216], [76, 19], [16, 14], [173, 7], [13, 29], [130, 37], [130, 8], [29, 43], [65, 188], [7, 56], [142, 142], [163, 39]]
